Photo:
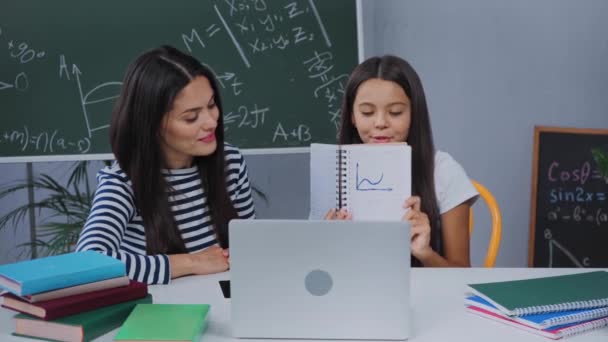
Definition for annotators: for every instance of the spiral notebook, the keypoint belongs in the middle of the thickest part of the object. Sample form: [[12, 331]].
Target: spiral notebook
[[555, 332], [549, 320], [548, 294], [372, 181]]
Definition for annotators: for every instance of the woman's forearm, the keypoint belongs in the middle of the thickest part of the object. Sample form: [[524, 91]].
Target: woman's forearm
[[180, 264]]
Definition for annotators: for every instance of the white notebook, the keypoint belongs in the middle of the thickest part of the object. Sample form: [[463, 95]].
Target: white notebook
[[372, 181]]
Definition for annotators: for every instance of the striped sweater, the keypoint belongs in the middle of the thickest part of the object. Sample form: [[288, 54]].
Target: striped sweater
[[115, 227]]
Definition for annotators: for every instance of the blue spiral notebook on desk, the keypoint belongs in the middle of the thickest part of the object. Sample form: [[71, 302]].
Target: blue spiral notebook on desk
[[555, 332], [544, 320]]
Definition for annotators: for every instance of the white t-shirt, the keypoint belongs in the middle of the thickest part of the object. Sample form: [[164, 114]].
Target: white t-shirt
[[452, 185]]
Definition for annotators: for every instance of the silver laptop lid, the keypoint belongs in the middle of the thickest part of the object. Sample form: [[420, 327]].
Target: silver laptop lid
[[319, 279]]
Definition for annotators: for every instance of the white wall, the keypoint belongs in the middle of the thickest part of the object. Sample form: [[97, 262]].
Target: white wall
[[283, 178], [492, 69], [13, 235], [19, 232]]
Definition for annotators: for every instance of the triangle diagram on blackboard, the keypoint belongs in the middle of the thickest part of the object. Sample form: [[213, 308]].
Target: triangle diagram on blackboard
[[556, 248]]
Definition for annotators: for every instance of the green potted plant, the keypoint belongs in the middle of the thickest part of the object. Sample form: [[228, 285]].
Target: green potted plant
[[67, 207]]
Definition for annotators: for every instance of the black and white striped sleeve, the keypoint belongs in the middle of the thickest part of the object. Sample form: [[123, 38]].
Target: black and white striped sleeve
[[106, 227], [238, 184]]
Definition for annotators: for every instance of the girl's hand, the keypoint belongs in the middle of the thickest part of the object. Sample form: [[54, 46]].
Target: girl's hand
[[341, 214], [420, 228]]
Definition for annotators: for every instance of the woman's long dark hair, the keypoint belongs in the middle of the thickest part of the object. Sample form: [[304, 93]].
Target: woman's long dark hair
[[420, 137], [149, 88]]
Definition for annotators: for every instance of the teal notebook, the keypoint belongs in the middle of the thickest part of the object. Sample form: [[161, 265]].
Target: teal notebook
[[165, 322], [58, 271], [548, 294]]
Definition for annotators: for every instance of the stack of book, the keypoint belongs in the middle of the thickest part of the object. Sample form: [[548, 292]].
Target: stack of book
[[70, 297], [554, 307]]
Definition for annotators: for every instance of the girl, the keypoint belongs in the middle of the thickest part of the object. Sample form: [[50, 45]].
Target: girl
[[164, 206], [384, 102]]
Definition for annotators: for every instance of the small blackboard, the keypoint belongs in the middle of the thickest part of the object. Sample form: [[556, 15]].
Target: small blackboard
[[569, 203]]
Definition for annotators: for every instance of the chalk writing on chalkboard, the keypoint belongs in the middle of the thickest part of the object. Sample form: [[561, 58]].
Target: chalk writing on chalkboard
[[281, 68], [554, 248], [569, 217]]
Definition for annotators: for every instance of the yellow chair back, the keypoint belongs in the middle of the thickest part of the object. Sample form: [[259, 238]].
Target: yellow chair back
[[495, 237]]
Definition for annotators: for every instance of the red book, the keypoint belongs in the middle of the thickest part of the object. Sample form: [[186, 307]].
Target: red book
[[60, 307]]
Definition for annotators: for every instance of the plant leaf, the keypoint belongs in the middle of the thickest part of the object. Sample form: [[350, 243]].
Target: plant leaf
[[601, 159], [66, 209]]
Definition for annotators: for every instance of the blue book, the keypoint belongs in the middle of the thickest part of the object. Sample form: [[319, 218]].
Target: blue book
[[59, 271], [545, 321]]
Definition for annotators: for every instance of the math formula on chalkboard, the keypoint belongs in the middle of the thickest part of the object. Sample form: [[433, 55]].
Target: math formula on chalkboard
[[281, 68], [569, 216]]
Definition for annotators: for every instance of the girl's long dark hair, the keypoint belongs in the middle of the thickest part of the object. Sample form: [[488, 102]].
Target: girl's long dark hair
[[149, 88], [420, 137]]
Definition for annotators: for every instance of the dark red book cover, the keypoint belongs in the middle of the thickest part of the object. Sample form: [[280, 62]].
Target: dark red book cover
[[60, 307]]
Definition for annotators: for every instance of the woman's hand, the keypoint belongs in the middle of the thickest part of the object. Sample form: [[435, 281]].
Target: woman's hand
[[341, 214], [211, 260], [226, 253], [420, 228]]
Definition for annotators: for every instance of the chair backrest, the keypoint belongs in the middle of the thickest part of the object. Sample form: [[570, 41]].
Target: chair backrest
[[494, 244]]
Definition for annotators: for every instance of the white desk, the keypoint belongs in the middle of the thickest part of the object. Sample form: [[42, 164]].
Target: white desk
[[438, 312]]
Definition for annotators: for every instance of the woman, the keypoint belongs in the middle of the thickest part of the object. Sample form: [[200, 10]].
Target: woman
[[163, 208], [384, 102]]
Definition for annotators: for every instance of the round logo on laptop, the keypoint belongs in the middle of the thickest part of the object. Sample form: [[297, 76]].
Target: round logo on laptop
[[318, 282]]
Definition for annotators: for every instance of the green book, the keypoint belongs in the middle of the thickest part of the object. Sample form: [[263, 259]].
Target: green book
[[165, 322], [84, 326], [547, 294]]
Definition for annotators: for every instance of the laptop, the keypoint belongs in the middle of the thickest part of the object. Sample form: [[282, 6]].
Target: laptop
[[311, 279]]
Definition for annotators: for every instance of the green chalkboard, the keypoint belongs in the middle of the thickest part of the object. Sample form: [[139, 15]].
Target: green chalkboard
[[282, 66]]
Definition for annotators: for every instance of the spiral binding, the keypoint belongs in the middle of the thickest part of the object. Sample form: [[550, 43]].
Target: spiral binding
[[342, 177], [587, 326], [587, 304], [577, 317]]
